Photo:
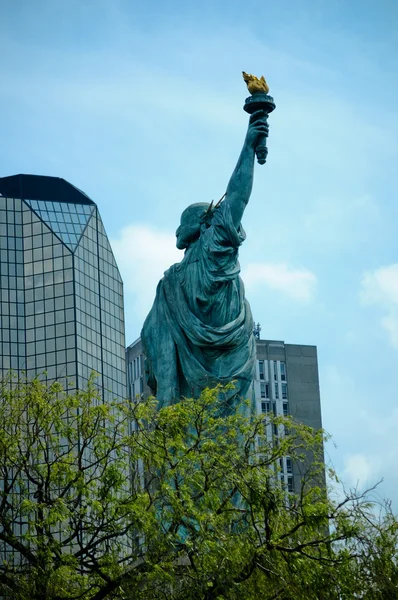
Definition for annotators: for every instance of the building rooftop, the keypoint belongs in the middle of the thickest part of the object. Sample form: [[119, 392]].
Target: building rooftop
[[42, 187]]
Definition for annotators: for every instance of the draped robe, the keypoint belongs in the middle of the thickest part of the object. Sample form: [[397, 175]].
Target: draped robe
[[199, 331]]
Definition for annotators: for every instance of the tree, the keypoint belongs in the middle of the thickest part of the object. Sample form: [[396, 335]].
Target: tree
[[122, 500], [65, 508], [373, 572]]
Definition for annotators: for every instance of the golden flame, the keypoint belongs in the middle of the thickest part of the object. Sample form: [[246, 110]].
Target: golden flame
[[254, 84]]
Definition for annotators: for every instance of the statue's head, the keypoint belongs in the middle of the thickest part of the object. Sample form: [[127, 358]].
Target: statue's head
[[189, 229]]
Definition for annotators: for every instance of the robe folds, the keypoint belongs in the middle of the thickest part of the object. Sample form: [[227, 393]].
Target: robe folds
[[199, 332]]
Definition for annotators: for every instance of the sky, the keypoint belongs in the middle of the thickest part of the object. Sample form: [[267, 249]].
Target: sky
[[139, 104]]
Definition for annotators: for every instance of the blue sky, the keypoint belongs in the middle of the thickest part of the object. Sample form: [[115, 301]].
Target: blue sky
[[139, 104]]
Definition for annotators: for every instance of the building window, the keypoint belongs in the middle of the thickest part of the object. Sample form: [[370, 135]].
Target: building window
[[289, 465], [141, 359], [261, 442], [264, 389], [290, 483], [284, 391], [275, 370], [265, 407], [285, 409], [276, 391], [130, 373], [261, 369], [283, 371], [275, 429]]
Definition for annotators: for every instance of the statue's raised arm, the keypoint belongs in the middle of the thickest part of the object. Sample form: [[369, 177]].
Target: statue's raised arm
[[241, 182], [199, 332]]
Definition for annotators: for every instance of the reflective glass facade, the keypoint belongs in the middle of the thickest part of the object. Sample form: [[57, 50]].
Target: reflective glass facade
[[61, 290]]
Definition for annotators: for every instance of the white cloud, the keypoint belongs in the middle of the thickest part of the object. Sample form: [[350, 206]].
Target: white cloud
[[299, 284], [364, 446], [380, 287], [143, 254], [390, 324], [379, 460], [359, 470]]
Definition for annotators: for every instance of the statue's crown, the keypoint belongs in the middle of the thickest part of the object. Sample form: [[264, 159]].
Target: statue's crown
[[208, 213]]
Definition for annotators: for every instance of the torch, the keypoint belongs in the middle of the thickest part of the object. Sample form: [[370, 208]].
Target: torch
[[259, 100]]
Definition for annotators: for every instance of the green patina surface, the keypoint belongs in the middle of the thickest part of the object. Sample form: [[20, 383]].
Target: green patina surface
[[199, 331]]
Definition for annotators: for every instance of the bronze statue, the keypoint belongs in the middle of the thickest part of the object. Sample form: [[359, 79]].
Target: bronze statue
[[199, 331]]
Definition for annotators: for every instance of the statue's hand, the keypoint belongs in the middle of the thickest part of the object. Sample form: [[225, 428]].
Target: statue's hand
[[258, 127]]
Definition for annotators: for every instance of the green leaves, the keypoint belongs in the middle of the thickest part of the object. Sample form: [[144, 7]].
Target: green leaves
[[122, 500]]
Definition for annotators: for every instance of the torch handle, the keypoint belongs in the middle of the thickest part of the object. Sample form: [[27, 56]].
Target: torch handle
[[261, 150], [252, 104]]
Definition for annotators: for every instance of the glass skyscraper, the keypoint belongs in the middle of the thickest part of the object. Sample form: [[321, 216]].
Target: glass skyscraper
[[61, 305]]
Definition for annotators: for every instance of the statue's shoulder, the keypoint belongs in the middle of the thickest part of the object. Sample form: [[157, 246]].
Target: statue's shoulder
[[222, 228], [171, 271]]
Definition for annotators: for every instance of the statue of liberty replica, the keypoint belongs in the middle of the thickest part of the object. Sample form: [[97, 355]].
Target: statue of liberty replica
[[199, 332]]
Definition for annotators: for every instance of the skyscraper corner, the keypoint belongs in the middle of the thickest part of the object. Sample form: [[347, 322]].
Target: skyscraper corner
[[61, 290]]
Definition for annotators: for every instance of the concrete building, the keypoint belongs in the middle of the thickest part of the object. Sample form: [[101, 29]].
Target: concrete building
[[286, 383], [61, 305]]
